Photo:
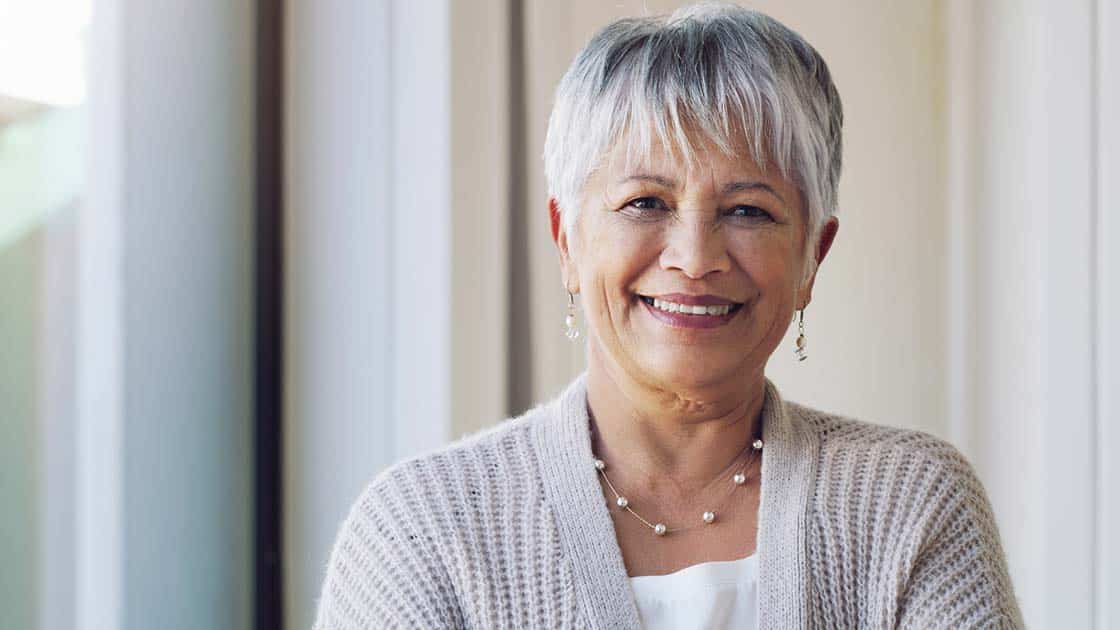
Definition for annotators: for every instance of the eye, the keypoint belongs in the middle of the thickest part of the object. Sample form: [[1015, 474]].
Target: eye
[[645, 206], [647, 203], [750, 212]]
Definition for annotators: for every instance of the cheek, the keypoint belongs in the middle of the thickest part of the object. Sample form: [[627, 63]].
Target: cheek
[[621, 252], [769, 262]]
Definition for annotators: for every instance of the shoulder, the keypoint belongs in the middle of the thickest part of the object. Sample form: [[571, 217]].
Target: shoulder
[[911, 505], [504, 449], [844, 440], [393, 562], [455, 482], [892, 474]]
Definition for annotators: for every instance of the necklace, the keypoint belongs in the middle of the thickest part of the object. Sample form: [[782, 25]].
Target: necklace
[[707, 518]]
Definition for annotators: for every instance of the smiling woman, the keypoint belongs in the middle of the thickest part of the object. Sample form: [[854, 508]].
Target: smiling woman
[[692, 162], [716, 231]]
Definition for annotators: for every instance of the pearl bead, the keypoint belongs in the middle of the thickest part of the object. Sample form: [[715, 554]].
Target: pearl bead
[[757, 445], [622, 502], [739, 479], [600, 464], [660, 529], [709, 517]]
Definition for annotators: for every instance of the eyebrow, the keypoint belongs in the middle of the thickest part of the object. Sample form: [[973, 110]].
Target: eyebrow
[[730, 187], [740, 186]]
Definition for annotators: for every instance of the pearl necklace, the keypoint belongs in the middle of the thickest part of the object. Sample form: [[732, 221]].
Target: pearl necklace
[[708, 517]]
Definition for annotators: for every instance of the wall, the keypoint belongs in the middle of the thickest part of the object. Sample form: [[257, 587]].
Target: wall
[[484, 151], [1032, 288], [1106, 350]]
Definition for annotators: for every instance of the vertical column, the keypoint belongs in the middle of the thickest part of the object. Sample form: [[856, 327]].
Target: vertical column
[[553, 34], [484, 174], [422, 208], [165, 337], [338, 379], [1023, 366], [368, 215], [1066, 438], [962, 144], [1106, 342], [99, 413]]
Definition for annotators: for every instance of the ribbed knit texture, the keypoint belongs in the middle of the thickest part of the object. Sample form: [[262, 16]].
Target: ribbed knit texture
[[859, 526]]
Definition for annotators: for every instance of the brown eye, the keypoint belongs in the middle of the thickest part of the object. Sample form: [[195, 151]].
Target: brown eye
[[750, 212], [647, 203]]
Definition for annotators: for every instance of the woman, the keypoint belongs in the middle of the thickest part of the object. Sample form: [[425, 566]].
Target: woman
[[692, 162]]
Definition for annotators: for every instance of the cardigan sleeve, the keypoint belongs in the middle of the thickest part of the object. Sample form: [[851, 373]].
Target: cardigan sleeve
[[384, 570], [959, 578]]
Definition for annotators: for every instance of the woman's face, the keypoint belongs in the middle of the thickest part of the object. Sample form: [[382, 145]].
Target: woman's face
[[725, 234]]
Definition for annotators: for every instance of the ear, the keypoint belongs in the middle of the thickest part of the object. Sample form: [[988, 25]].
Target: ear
[[560, 236], [823, 245]]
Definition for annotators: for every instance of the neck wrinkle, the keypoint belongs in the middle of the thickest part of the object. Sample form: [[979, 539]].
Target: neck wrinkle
[[650, 453]]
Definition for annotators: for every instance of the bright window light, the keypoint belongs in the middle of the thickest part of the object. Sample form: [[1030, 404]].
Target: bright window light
[[42, 45]]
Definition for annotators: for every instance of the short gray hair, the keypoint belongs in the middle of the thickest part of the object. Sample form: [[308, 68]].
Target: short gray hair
[[709, 72]]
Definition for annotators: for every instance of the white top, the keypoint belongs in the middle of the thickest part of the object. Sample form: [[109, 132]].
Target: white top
[[707, 596]]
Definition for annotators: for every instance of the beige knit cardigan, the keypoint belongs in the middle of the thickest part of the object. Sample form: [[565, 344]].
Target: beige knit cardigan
[[860, 526]]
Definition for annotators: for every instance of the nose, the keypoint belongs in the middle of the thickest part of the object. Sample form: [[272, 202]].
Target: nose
[[695, 246]]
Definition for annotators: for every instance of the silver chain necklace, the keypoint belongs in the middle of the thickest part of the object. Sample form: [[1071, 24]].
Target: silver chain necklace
[[707, 518]]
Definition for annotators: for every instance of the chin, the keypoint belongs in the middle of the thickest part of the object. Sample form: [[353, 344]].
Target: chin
[[690, 370]]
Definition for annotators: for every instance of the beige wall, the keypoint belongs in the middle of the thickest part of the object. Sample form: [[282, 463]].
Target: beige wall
[[876, 327], [481, 161]]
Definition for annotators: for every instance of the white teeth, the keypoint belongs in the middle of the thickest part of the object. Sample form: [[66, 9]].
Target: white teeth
[[673, 307]]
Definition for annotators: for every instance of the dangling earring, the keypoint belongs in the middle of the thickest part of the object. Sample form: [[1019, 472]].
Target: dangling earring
[[570, 320], [800, 350]]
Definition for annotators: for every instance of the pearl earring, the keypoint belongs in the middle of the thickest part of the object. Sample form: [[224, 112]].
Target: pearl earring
[[570, 319], [800, 351]]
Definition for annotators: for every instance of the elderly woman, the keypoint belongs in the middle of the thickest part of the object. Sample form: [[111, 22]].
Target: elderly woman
[[692, 162]]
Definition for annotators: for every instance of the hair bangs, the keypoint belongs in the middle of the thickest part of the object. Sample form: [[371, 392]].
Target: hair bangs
[[708, 77]]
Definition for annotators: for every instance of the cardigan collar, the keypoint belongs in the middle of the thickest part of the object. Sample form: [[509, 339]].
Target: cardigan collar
[[563, 444]]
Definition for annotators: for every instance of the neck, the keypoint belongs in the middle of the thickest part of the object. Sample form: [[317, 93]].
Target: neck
[[665, 438]]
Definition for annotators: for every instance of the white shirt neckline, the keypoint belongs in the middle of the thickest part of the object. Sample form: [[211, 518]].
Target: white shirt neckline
[[714, 572], [709, 595]]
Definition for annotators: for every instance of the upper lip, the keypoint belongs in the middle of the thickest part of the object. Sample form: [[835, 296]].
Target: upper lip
[[694, 300]]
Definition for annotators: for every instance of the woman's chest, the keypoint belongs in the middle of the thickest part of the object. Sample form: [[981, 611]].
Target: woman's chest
[[732, 535]]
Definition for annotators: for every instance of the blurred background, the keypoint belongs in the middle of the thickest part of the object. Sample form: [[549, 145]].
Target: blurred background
[[252, 252]]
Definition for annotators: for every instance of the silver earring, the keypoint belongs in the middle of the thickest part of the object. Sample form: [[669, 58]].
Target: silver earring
[[570, 319], [800, 351]]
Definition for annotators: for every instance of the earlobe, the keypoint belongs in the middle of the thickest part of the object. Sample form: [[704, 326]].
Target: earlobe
[[805, 293]]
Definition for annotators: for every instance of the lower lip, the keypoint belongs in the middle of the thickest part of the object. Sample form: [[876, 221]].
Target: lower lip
[[688, 320]]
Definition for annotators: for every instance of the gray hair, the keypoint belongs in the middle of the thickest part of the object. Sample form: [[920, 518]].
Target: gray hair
[[709, 72]]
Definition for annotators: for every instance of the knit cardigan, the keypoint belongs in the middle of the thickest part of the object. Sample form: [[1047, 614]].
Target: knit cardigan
[[860, 526]]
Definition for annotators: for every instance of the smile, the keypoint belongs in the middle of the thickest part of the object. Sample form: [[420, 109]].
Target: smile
[[673, 307], [690, 316]]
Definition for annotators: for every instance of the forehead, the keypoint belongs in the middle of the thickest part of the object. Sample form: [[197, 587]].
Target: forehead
[[687, 159]]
